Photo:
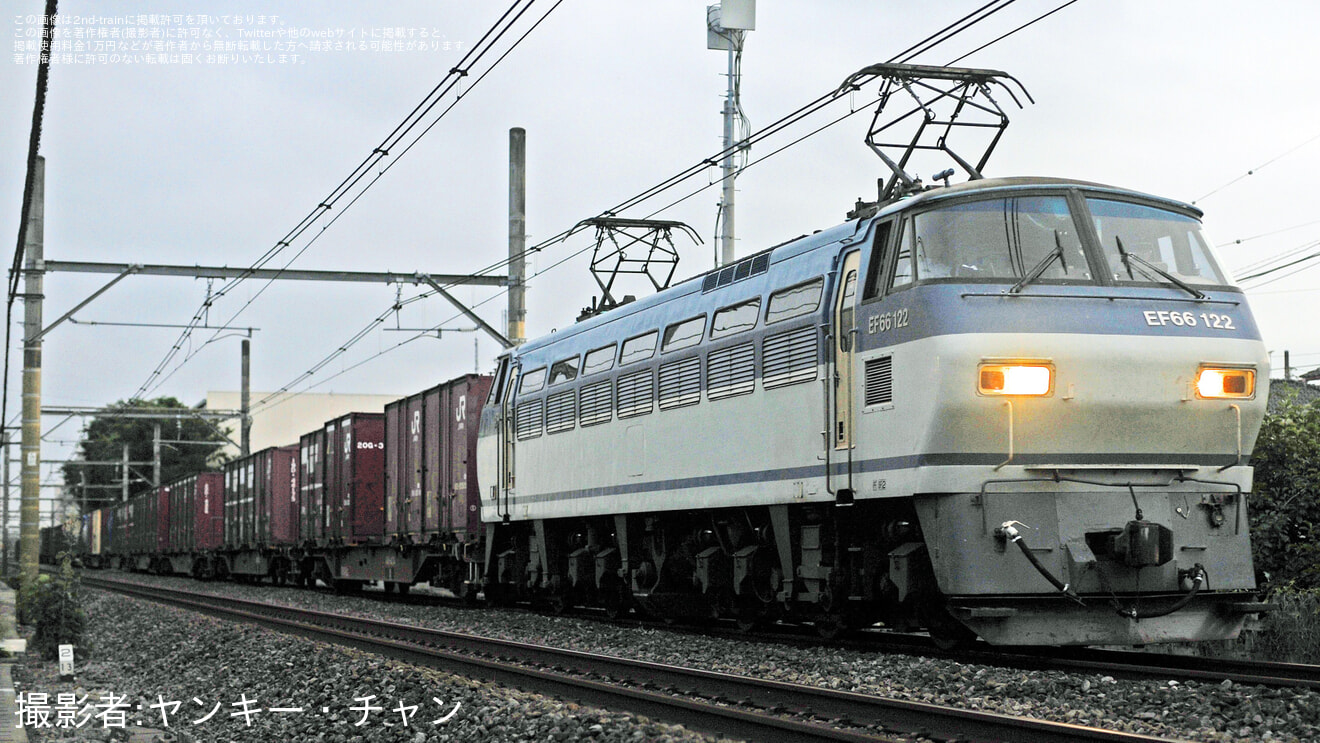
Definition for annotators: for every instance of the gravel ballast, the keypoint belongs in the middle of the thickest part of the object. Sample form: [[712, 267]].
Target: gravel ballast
[[151, 654], [1183, 710]]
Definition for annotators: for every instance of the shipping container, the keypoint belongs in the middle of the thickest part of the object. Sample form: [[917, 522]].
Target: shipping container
[[261, 499], [311, 487], [208, 510], [431, 488], [196, 518], [354, 480], [162, 519]]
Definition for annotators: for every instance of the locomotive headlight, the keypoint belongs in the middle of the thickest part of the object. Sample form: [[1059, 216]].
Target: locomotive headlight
[[1016, 379], [1214, 383]]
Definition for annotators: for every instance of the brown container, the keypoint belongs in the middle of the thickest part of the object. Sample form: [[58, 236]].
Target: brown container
[[431, 487], [261, 499], [354, 479]]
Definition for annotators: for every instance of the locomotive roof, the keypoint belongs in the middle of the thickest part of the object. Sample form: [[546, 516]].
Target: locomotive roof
[[838, 234], [1023, 182]]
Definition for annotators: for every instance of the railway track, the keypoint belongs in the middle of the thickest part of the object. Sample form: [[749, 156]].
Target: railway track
[[730, 705], [1118, 663]]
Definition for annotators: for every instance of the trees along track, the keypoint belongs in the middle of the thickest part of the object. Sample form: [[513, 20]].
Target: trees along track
[[730, 705]]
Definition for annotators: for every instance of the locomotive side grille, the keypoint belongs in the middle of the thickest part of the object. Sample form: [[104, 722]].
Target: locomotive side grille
[[880, 381], [559, 412], [636, 394], [528, 417], [789, 358], [731, 371], [594, 402], [680, 383]]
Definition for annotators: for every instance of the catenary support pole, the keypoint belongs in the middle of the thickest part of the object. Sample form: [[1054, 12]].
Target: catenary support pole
[[246, 399], [29, 529], [516, 330], [4, 472]]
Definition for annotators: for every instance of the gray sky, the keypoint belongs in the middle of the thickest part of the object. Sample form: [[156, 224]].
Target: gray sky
[[213, 163]]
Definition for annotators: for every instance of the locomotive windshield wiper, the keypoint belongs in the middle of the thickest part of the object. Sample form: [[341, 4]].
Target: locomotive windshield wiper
[[1169, 278], [1044, 263]]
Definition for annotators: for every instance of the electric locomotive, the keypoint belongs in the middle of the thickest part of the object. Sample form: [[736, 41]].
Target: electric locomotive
[[1018, 408]]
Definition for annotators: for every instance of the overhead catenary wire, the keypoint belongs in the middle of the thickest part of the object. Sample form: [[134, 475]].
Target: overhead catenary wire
[[453, 80], [1258, 168], [780, 124]]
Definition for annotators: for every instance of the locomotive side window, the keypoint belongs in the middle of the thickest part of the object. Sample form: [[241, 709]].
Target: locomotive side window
[[532, 381], [903, 270], [602, 359], [879, 256], [564, 371], [683, 334], [999, 239], [735, 319], [1140, 241], [794, 301], [639, 348]]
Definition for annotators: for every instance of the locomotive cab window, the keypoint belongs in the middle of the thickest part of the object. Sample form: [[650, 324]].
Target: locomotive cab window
[[532, 381], [564, 371], [683, 334], [1142, 244], [602, 359], [999, 240], [638, 348], [794, 301]]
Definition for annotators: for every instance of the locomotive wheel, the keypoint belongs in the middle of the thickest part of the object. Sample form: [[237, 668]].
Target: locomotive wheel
[[280, 576], [556, 603], [830, 627], [614, 600], [468, 593], [403, 588], [946, 632]]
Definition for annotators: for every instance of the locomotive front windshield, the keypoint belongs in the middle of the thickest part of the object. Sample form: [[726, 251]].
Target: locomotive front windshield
[[998, 239], [1041, 239], [1141, 241]]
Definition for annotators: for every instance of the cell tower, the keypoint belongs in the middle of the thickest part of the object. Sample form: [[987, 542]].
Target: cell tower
[[727, 25]]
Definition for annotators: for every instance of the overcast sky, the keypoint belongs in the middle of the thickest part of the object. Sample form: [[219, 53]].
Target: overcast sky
[[210, 163]]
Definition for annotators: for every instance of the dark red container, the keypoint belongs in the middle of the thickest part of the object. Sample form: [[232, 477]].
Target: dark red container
[[261, 499], [196, 513], [208, 502], [311, 486], [431, 474], [162, 518], [354, 482]]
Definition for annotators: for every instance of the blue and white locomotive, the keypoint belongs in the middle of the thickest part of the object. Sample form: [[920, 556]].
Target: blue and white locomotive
[[1017, 408]]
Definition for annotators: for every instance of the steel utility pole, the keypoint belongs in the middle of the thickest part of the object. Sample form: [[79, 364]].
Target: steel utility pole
[[29, 528], [517, 330]]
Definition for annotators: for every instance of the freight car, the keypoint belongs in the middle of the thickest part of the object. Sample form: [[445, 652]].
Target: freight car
[[52, 542], [1019, 408]]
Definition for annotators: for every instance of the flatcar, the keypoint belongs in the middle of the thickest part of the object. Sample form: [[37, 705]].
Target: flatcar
[[1018, 408]]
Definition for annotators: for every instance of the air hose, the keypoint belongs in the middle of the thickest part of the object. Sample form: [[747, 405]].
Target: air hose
[[1009, 530]]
